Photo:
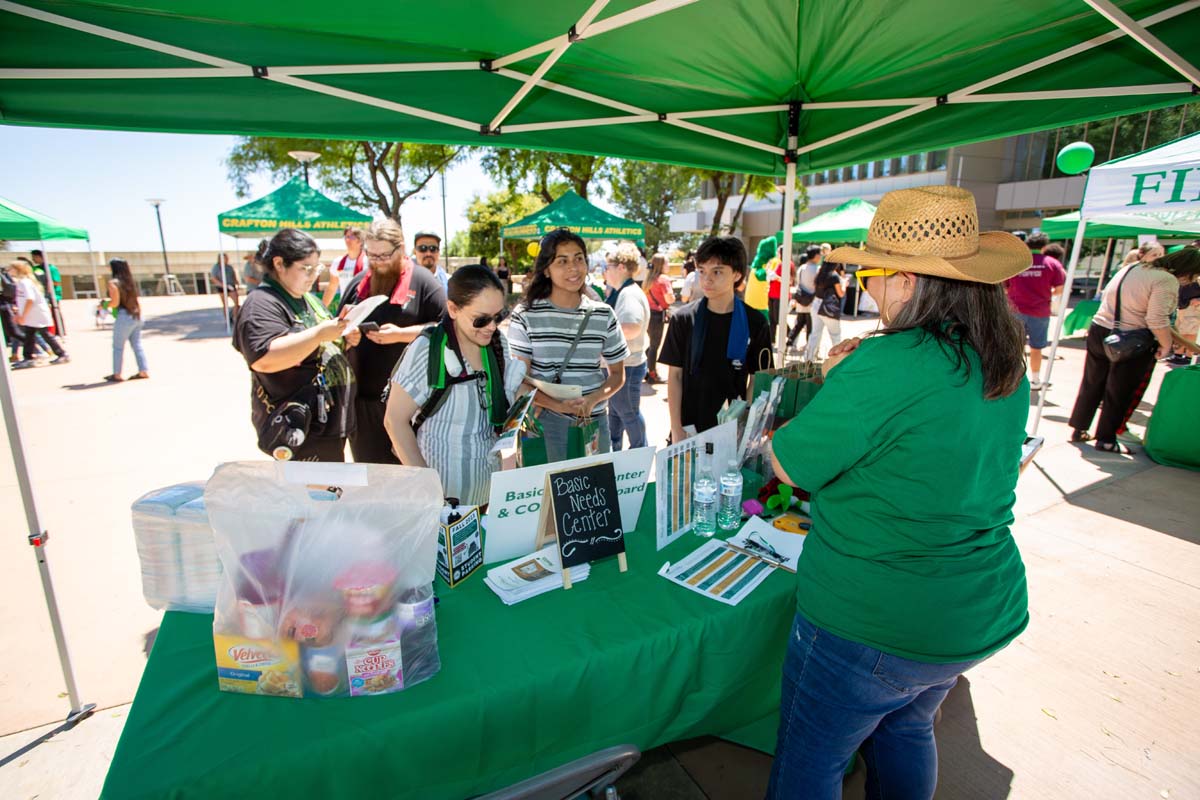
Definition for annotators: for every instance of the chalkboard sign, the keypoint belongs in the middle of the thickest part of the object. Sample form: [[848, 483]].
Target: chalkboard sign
[[583, 514]]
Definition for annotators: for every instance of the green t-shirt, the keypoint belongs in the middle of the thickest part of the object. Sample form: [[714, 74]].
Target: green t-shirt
[[913, 476]]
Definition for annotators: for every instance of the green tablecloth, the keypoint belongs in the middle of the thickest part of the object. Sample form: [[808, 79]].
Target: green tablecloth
[[1080, 317], [620, 658]]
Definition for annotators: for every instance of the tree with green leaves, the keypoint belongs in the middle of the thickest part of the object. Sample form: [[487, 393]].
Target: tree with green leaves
[[459, 245], [547, 175], [375, 176], [649, 193], [487, 215], [725, 185]]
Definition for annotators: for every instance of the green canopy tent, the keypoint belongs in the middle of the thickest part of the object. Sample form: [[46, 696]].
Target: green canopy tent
[[21, 224], [846, 223], [293, 205], [1125, 226], [572, 211], [802, 90]]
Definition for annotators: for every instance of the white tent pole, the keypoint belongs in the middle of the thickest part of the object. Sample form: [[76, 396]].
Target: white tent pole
[[37, 538], [1146, 39], [221, 271], [789, 221], [1080, 230]]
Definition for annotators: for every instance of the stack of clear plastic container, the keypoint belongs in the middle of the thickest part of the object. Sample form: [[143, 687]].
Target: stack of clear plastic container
[[180, 568]]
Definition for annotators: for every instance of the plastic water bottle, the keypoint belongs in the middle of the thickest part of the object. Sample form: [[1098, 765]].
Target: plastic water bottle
[[729, 517], [704, 497]]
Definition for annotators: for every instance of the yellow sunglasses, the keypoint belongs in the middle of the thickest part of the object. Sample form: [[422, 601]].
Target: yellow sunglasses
[[872, 273]]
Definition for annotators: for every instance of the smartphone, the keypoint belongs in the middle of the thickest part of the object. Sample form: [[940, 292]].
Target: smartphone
[[368, 327]]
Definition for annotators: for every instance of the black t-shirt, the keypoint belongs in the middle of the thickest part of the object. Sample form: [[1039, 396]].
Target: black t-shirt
[[373, 363], [265, 316], [716, 381]]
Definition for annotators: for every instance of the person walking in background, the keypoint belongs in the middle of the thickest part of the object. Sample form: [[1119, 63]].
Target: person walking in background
[[805, 294], [829, 288], [564, 336], [660, 297], [1032, 293], [504, 275], [687, 292], [127, 325], [41, 270], [632, 310], [251, 273], [301, 386], [415, 302], [775, 289], [33, 315], [225, 283], [1148, 294], [427, 248], [8, 316]]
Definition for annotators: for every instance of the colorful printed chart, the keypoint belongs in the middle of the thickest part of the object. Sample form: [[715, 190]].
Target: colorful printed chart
[[718, 571]]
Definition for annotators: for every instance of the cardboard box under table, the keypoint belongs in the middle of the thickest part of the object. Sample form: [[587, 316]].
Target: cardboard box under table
[[621, 658]]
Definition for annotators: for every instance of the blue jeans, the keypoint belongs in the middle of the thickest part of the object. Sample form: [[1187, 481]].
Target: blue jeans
[[625, 410], [125, 327], [1037, 329], [840, 696], [555, 426]]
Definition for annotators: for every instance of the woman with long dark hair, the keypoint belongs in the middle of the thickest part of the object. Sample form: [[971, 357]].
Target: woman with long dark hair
[[127, 324], [829, 289], [660, 296], [301, 387], [909, 575], [1148, 294], [562, 335], [450, 395]]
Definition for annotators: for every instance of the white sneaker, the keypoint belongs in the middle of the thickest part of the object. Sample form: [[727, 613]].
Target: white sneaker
[[1035, 385]]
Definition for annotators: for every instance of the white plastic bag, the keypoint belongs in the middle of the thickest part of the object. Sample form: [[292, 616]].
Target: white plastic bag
[[328, 577]]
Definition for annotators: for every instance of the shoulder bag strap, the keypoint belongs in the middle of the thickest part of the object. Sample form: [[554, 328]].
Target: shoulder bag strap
[[574, 344], [1117, 310]]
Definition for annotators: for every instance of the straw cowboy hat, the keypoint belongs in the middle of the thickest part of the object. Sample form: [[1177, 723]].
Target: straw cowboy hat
[[934, 230]]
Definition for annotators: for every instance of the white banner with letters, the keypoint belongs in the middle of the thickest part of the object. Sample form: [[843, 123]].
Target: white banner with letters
[[516, 500]]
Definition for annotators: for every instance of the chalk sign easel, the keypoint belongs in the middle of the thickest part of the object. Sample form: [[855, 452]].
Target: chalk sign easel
[[582, 516]]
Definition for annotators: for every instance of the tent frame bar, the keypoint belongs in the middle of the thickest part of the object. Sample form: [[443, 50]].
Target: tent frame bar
[[1146, 39], [219, 67], [578, 30], [1060, 319]]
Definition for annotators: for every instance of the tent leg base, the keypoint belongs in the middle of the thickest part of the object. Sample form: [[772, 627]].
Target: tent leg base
[[75, 717]]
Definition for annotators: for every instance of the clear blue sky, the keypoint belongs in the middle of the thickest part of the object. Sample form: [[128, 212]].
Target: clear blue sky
[[99, 180]]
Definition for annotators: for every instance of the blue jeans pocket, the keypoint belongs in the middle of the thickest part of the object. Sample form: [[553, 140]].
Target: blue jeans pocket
[[913, 677]]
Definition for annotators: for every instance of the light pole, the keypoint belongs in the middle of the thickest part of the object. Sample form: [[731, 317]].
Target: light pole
[[305, 157], [445, 230], [156, 202]]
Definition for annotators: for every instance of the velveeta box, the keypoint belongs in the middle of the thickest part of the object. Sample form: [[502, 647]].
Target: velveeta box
[[374, 668], [258, 666]]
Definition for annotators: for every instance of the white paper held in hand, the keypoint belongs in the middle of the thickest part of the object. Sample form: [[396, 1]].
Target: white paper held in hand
[[558, 391], [360, 311]]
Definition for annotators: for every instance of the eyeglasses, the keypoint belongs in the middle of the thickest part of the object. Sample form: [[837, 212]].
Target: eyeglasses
[[872, 273], [755, 542], [428, 248], [490, 319], [311, 269], [382, 256]]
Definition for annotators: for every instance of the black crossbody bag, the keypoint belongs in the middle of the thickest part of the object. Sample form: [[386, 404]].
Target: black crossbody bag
[[1123, 345]]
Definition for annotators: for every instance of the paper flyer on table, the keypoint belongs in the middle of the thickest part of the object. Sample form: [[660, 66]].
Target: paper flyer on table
[[558, 391], [718, 572], [786, 544], [360, 311]]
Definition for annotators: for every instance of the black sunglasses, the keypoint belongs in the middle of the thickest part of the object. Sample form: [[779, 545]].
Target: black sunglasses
[[428, 248], [488, 319]]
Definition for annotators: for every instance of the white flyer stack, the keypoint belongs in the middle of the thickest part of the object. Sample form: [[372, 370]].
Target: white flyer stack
[[531, 575]]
